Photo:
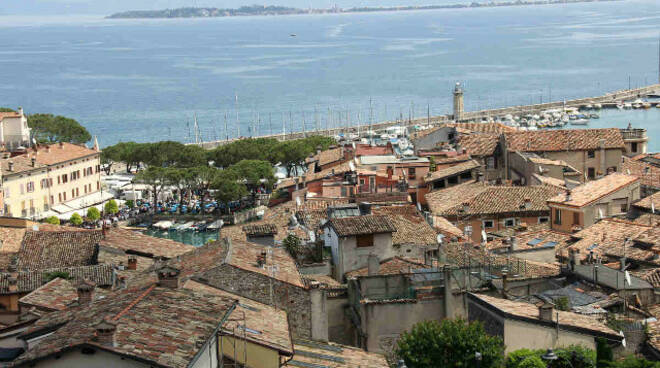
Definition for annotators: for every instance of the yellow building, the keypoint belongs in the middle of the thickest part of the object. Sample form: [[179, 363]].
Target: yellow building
[[49, 175]]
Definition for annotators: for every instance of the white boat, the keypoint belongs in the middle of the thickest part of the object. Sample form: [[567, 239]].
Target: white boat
[[598, 106], [627, 105], [185, 226], [215, 225], [385, 137], [408, 152], [163, 225], [353, 136], [619, 106], [646, 105], [589, 107], [580, 122], [637, 106], [658, 105]]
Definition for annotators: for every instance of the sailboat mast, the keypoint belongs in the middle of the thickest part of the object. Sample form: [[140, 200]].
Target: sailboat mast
[[226, 132], [238, 125]]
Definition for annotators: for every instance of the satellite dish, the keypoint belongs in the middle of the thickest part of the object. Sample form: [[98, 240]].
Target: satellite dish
[[627, 276], [440, 238], [540, 169], [353, 144], [298, 201], [419, 207], [628, 171], [351, 165]]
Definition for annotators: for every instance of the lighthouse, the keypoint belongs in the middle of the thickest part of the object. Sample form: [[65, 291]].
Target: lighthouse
[[458, 102]]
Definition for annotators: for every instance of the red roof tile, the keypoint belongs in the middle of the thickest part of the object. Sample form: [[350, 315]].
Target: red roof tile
[[564, 140]]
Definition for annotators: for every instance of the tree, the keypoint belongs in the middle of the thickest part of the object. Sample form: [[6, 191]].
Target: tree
[[93, 214], [6, 109], [244, 149], [111, 207], [156, 178], [48, 128], [604, 354], [49, 276], [226, 188], [632, 361], [568, 357], [450, 343], [253, 171], [52, 220], [76, 219]]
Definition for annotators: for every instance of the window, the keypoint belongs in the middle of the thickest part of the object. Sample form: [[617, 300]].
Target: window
[[343, 191], [366, 240], [411, 173], [466, 175], [576, 218], [591, 173], [30, 187], [510, 222], [98, 185], [361, 181], [624, 207], [544, 220], [490, 163], [591, 154], [633, 146], [488, 224], [557, 216], [59, 197], [77, 192], [73, 193], [452, 180]]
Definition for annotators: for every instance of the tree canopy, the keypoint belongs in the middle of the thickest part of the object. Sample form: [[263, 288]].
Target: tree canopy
[[76, 219], [48, 128], [93, 214], [6, 109], [451, 344]]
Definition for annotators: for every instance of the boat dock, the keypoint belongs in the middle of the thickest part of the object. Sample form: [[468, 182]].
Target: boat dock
[[609, 100]]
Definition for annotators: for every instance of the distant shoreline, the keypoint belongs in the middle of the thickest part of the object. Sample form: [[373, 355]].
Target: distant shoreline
[[257, 10]]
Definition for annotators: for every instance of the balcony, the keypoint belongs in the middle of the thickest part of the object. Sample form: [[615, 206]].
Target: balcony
[[634, 134]]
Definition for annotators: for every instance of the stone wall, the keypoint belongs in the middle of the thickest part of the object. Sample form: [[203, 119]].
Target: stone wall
[[493, 324], [296, 301]]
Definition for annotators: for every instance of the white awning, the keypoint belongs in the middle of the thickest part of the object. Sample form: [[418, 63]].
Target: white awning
[[83, 202]]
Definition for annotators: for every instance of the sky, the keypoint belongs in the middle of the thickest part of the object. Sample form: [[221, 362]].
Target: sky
[[106, 7]]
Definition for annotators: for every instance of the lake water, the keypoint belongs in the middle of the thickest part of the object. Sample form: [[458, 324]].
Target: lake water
[[187, 237], [143, 80]]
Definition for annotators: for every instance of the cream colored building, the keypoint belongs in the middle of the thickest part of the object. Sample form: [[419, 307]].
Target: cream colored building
[[14, 130], [47, 176]]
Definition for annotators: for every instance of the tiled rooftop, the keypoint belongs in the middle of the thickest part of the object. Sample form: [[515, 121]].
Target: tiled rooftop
[[279, 216], [265, 324], [138, 243], [260, 230], [411, 227], [479, 145], [451, 171], [653, 335], [648, 174], [563, 140], [482, 127], [9, 114], [486, 199], [550, 181], [648, 219], [445, 227], [392, 266], [387, 197], [164, 326], [537, 238], [54, 295], [594, 190], [28, 281], [329, 156], [62, 152], [310, 177], [46, 249], [530, 313], [607, 237], [361, 225], [313, 354], [20, 164], [645, 203]]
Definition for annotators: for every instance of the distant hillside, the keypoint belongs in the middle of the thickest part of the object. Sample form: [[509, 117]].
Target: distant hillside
[[282, 10]]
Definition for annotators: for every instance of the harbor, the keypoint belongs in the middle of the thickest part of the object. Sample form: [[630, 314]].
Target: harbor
[[574, 113]]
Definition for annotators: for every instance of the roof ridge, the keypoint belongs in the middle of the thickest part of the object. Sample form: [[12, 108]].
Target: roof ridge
[[133, 303]]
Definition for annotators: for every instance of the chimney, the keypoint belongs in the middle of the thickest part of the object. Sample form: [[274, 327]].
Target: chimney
[[132, 263], [33, 160], [546, 310], [11, 165], [105, 332], [261, 259], [85, 290], [168, 277], [373, 264], [574, 255], [528, 204], [13, 283], [514, 243]]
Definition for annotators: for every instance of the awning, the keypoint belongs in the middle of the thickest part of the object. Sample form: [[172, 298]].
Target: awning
[[83, 202]]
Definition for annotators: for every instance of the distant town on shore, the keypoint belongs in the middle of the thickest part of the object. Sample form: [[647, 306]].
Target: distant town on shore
[[252, 10]]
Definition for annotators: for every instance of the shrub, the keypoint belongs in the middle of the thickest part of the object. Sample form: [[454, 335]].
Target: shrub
[[93, 214], [111, 207], [52, 220], [49, 276], [532, 361], [76, 219]]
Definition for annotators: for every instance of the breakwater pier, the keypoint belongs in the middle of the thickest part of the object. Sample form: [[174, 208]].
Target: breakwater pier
[[608, 100]]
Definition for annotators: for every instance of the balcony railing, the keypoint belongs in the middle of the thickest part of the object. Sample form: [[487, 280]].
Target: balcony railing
[[633, 133]]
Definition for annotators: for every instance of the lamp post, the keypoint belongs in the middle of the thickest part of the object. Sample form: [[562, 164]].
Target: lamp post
[[478, 358], [549, 357]]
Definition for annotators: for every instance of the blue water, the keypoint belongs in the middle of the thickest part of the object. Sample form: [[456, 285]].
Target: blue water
[[187, 237], [143, 80]]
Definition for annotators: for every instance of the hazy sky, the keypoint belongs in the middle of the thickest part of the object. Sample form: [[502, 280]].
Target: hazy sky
[[60, 7]]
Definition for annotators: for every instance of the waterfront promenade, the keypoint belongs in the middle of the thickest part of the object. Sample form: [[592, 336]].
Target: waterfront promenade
[[607, 100]]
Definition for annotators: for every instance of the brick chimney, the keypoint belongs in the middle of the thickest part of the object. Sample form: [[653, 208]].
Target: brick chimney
[[546, 310], [85, 290], [33, 161], [11, 165], [168, 277], [105, 332], [528, 204], [132, 263]]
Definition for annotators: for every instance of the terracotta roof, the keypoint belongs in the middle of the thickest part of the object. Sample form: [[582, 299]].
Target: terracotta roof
[[446, 227], [486, 199], [325, 281], [9, 114], [135, 242], [392, 266], [164, 326], [594, 190], [653, 335], [62, 152], [534, 239], [482, 127], [607, 237], [117, 257], [547, 180], [530, 313], [367, 150], [279, 216], [11, 238], [54, 295], [387, 197], [310, 177], [411, 227], [330, 156], [648, 173], [650, 237], [648, 219], [266, 325], [451, 171], [260, 230], [563, 140], [28, 281], [479, 145], [652, 277], [645, 202], [45, 249], [315, 354], [20, 163], [361, 225]]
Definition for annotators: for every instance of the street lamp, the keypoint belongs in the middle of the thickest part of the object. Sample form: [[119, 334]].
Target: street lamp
[[478, 357], [549, 357]]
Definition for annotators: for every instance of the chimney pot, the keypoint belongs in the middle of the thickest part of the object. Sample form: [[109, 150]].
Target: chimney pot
[[11, 165], [546, 311], [105, 332], [168, 277], [528, 203], [85, 291], [33, 160], [132, 263]]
